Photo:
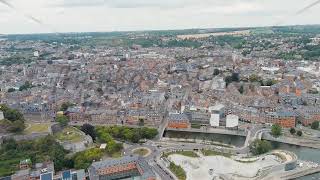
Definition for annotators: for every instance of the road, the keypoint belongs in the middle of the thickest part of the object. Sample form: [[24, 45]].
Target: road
[[157, 147]]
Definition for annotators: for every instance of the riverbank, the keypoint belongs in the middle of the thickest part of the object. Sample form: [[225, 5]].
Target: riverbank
[[303, 142]]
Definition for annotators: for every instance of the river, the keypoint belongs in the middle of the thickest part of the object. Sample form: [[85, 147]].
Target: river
[[221, 138], [303, 153]]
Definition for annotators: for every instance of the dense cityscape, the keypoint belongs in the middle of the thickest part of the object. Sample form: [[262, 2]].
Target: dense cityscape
[[180, 104]]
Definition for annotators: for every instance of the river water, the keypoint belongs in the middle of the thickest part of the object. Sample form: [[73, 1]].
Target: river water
[[303, 153]]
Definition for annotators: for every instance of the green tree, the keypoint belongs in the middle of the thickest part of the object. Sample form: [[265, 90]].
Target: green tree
[[14, 119], [216, 72], [269, 82], [11, 114], [315, 125], [27, 85], [141, 122], [241, 89], [149, 133], [17, 126], [292, 131], [299, 133], [254, 78], [89, 130], [276, 130], [39, 150], [62, 120], [11, 90], [258, 147], [228, 80], [66, 105], [84, 159]]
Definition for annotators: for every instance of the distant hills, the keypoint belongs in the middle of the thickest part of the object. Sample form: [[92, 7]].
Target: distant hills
[[311, 29]]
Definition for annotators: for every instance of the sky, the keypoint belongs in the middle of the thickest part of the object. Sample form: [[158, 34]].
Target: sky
[[43, 16]]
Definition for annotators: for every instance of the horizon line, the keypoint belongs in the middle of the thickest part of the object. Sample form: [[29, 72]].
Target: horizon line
[[151, 30]]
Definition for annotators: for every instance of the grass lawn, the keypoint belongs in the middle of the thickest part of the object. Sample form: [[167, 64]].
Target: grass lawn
[[183, 153], [116, 155], [36, 128], [141, 151], [206, 152], [69, 134], [178, 171]]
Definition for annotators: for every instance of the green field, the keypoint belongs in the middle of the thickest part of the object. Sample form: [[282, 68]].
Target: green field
[[70, 134], [215, 153], [37, 128], [183, 153]]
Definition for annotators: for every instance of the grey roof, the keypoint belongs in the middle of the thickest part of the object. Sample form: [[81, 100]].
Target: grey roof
[[282, 114], [178, 117]]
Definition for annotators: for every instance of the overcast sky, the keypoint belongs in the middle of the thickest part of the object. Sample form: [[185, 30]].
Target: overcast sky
[[116, 15]]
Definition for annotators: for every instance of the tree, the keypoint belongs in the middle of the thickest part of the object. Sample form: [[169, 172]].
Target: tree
[[149, 133], [216, 72], [299, 133], [258, 147], [315, 125], [292, 131], [270, 82], [141, 122], [89, 130], [254, 78], [84, 159], [276, 130], [100, 91], [17, 126], [11, 90], [62, 120], [241, 89], [15, 119], [27, 85], [66, 105], [11, 114], [228, 80]]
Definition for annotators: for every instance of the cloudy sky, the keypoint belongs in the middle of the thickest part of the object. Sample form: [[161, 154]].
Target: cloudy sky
[[123, 15]]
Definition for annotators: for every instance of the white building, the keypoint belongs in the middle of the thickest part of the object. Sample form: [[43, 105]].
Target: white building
[[36, 54], [1, 115], [215, 120], [217, 109], [232, 121], [218, 84]]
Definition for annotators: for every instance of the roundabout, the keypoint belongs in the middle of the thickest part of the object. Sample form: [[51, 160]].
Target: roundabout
[[143, 151]]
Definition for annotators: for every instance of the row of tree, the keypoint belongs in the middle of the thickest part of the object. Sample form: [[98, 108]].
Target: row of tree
[[129, 134]]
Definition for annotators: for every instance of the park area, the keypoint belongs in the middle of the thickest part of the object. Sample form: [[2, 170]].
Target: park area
[[37, 128], [211, 165], [70, 134]]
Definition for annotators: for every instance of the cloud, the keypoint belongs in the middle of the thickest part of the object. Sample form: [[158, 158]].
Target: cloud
[[80, 3], [110, 15], [145, 3]]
